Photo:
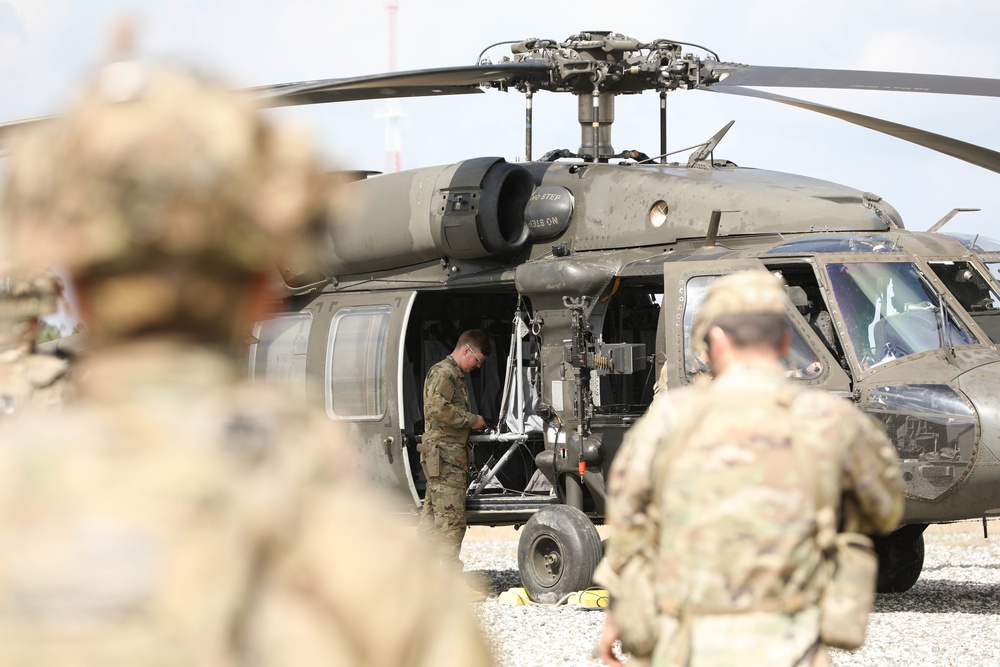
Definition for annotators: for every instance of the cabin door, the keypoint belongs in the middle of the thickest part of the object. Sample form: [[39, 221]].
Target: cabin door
[[361, 377]]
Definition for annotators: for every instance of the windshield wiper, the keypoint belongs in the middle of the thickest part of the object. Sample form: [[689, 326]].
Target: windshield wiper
[[944, 331]]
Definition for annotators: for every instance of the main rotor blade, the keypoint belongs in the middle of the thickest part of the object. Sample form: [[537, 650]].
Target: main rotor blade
[[971, 153], [6, 129], [414, 83], [800, 77]]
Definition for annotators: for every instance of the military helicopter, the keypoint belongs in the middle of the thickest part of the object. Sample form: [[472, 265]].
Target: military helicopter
[[586, 267]]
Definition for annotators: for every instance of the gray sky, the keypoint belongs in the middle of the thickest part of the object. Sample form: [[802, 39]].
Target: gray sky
[[46, 45]]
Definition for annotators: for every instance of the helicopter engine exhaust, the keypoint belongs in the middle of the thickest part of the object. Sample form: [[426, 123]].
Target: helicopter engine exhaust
[[469, 210]]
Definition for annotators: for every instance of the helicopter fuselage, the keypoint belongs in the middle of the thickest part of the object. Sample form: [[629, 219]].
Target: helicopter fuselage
[[586, 277]]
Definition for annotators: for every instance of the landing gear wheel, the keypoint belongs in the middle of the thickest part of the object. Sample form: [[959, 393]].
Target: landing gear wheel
[[557, 553], [900, 559]]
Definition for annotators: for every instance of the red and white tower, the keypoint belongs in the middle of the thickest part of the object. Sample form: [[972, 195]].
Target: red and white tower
[[392, 113]]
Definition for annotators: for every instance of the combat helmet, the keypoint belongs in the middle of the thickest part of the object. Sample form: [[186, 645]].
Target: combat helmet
[[743, 292], [164, 193]]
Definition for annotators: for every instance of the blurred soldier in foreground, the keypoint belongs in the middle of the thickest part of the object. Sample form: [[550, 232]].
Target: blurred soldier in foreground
[[714, 557], [177, 515], [28, 380]]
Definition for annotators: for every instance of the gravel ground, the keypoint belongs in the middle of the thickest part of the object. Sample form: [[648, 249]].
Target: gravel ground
[[950, 617]]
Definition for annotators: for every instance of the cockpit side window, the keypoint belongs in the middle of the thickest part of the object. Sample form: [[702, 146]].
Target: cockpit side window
[[806, 295], [994, 268], [801, 362], [972, 290], [891, 311], [695, 295]]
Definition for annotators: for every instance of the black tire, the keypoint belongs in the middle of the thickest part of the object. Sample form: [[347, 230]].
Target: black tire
[[900, 559], [557, 553]]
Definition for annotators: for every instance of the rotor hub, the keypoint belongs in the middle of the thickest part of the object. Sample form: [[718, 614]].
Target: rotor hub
[[597, 66], [611, 62]]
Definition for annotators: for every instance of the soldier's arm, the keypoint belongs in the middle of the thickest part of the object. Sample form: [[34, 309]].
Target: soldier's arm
[[875, 482], [438, 396]]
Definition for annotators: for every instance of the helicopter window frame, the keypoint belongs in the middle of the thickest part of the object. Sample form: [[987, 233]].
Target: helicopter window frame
[[976, 242], [355, 365], [797, 367], [839, 244], [979, 296], [285, 351], [973, 286]]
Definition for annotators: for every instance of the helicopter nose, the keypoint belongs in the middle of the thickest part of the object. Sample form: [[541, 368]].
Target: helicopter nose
[[933, 428], [979, 385]]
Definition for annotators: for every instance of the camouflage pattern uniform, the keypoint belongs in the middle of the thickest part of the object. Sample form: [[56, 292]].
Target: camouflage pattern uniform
[[28, 380], [447, 422], [706, 488], [176, 513]]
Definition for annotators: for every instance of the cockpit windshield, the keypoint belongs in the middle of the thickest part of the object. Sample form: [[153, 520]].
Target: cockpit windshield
[[977, 243], [891, 311]]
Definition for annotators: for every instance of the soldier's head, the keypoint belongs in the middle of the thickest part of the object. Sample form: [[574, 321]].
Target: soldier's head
[[166, 197], [743, 313], [472, 349], [24, 299]]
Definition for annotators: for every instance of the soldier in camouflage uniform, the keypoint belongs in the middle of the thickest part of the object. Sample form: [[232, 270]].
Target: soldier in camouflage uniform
[[177, 514], [443, 454], [707, 500], [28, 380]]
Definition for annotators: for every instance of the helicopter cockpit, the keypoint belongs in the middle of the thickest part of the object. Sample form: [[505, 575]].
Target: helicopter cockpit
[[881, 319]]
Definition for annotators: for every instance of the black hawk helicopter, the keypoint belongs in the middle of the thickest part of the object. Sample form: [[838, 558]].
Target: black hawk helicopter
[[586, 267]]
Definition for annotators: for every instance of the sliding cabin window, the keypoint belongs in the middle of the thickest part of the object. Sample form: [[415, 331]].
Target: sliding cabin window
[[278, 357], [356, 363]]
